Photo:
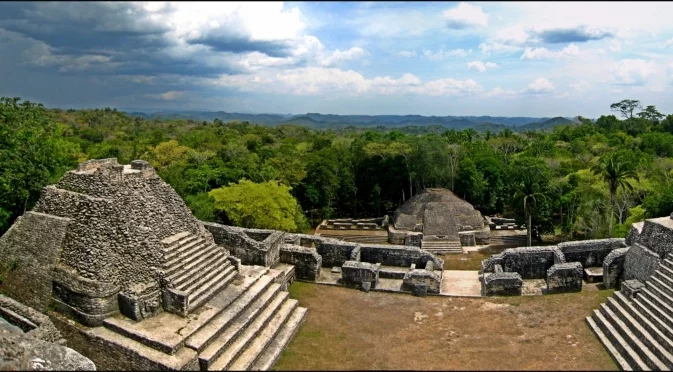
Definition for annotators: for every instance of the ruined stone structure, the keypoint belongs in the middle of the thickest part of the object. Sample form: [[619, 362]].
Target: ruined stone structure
[[636, 324], [439, 222], [30, 341], [563, 266], [395, 268], [115, 249]]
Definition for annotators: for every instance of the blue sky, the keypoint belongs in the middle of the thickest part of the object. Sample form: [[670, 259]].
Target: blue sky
[[437, 58]]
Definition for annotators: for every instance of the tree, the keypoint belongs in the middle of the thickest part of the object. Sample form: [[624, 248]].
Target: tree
[[167, 153], [651, 114], [530, 178], [626, 107], [267, 205], [615, 169]]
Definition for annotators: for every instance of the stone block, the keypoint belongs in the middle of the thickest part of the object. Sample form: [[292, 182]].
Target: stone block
[[354, 273], [502, 284], [631, 288], [419, 290], [307, 261], [139, 307], [366, 286], [336, 270], [613, 267], [429, 279], [565, 277], [176, 301]]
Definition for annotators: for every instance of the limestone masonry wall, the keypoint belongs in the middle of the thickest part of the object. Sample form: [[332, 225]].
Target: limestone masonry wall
[[565, 277], [613, 267], [640, 263], [590, 253], [307, 261], [31, 321], [34, 244], [251, 246]]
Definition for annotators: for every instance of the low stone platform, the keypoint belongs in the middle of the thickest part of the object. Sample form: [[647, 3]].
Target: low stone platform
[[593, 274], [245, 326]]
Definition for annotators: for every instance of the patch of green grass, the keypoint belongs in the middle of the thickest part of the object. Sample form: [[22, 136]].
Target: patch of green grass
[[299, 290]]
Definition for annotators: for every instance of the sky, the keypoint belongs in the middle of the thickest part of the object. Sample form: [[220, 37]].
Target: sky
[[540, 59]]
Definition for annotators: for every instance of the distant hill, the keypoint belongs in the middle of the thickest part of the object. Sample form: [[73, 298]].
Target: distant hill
[[331, 121], [545, 125]]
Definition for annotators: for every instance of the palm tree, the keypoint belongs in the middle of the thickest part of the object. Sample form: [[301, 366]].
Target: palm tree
[[614, 169], [529, 191]]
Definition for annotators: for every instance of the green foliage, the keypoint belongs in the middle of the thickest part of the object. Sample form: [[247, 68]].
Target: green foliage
[[267, 205]]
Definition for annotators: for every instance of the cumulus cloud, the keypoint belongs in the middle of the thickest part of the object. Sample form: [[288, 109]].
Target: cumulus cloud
[[539, 86], [319, 80], [633, 71], [498, 48], [480, 66], [167, 96], [615, 46], [338, 56], [581, 86], [543, 53], [499, 92], [406, 53], [445, 54], [465, 16]]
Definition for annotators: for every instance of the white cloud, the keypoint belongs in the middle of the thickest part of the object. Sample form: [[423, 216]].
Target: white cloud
[[320, 80], [338, 56], [167, 96], [498, 48], [581, 86], [633, 71], [543, 53], [615, 45], [539, 86], [406, 53], [668, 43], [480, 66], [445, 54], [465, 16], [499, 92]]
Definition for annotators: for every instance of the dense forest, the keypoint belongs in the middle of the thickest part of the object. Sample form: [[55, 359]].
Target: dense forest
[[589, 179]]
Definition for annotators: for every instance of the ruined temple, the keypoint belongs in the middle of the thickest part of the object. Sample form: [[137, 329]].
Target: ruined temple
[[135, 281], [440, 221]]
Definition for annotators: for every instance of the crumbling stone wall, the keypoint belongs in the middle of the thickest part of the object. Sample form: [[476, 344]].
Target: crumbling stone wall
[[467, 239], [402, 256], [354, 273], [590, 253], [32, 245], [335, 252], [502, 284], [640, 263], [251, 246], [307, 261], [634, 233], [565, 277], [613, 267], [413, 239], [657, 236], [30, 321], [427, 278], [529, 262]]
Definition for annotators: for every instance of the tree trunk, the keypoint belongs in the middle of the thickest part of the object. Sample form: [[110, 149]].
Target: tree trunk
[[529, 227], [612, 208], [403, 198]]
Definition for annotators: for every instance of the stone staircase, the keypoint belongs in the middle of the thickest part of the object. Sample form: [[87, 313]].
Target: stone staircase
[[243, 327], [366, 239], [195, 267], [441, 246], [638, 332]]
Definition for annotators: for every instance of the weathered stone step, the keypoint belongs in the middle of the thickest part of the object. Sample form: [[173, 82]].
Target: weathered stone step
[[199, 266], [186, 274], [218, 345], [658, 322], [207, 290], [181, 247], [184, 357], [653, 286], [662, 286], [190, 249], [253, 351], [612, 350], [659, 273], [668, 262], [215, 327], [219, 263], [654, 338], [656, 305], [666, 270], [638, 337], [619, 343], [174, 239], [272, 352], [279, 303]]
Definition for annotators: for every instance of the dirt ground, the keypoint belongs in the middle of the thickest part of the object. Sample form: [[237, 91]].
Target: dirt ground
[[348, 329]]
